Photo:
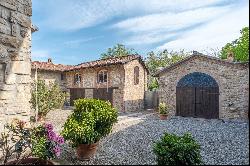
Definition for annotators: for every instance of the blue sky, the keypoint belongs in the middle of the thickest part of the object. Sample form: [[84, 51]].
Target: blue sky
[[75, 31]]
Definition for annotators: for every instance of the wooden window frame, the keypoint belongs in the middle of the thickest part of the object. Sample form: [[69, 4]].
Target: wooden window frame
[[76, 81], [102, 76], [136, 75]]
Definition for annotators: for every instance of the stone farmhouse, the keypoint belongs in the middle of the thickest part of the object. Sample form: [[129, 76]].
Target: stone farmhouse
[[206, 87], [122, 81]]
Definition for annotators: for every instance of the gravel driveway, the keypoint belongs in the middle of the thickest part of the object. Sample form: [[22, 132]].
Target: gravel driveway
[[222, 143]]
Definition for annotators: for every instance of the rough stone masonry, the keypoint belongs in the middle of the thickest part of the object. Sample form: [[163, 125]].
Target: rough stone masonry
[[15, 59]]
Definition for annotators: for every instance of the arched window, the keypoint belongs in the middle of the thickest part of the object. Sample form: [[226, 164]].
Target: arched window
[[102, 76], [136, 75], [77, 79]]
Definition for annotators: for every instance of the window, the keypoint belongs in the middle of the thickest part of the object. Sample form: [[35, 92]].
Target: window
[[77, 79], [102, 76], [136, 75], [62, 76]]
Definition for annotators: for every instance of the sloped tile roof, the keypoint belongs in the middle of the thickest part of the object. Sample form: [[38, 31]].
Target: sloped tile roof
[[103, 62], [109, 61], [195, 55], [50, 66]]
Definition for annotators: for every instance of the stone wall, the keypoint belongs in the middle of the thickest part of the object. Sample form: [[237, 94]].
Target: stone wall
[[89, 77], [134, 94], [89, 81], [231, 78], [50, 77], [15, 58]]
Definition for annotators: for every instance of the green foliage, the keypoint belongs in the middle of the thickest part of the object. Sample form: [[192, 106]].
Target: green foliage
[[239, 47], [177, 150], [14, 140], [153, 84], [49, 97], [117, 51], [156, 61], [45, 143], [163, 108], [90, 121]]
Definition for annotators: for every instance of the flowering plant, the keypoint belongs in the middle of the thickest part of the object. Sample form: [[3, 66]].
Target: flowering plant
[[46, 144]]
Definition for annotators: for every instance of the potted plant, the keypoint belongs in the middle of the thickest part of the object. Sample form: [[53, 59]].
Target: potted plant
[[35, 145], [163, 111], [90, 121]]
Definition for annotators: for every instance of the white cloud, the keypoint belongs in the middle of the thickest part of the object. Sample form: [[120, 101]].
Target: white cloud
[[77, 14], [77, 43], [170, 21], [212, 35], [40, 54]]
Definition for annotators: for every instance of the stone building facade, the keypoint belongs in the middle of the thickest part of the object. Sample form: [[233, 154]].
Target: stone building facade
[[50, 73], [15, 58], [231, 77], [83, 80]]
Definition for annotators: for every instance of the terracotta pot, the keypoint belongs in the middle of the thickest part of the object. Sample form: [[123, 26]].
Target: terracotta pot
[[163, 116], [30, 161], [86, 151]]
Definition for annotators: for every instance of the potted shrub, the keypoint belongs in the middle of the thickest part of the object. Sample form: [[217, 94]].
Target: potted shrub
[[163, 111], [177, 150], [90, 121], [31, 146]]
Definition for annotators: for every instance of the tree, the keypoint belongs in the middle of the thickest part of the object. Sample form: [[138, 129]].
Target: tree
[[157, 61], [117, 51], [49, 97], [239, 47]]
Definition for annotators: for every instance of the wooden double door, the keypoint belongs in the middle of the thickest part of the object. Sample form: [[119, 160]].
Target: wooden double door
[[103, 94], [200, 102], [76, 93]]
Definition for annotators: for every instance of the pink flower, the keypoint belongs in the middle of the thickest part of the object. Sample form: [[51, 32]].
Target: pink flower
[[49, 127], [57, 150], [51, 135], [60, 140]]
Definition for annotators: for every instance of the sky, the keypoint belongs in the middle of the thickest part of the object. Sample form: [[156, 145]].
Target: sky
[[76, 31]]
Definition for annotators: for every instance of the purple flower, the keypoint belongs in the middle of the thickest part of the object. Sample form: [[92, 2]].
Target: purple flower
[[57, 150], [49, 126], [51, 135], [60, 140]]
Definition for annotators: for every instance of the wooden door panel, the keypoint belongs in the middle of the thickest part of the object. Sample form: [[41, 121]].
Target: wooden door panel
[[103, 94], [201, 102], [76, 93]]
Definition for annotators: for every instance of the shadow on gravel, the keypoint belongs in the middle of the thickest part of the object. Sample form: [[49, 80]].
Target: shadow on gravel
[[222, 143]]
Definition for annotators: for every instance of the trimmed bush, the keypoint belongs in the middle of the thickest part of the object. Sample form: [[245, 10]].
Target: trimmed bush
[[177, 150], [90, 121]]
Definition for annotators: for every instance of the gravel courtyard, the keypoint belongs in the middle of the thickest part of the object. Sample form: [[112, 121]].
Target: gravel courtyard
[[222, 142]]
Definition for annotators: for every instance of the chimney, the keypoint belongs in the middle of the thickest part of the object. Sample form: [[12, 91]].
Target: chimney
[[196, 53], [49, 60], [230, 56]]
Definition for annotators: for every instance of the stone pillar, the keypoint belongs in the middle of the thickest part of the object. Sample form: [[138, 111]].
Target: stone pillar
[[15, 59], [89, 93]]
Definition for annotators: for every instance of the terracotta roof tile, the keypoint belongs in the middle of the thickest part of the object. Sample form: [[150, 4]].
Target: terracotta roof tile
[[50, 66], [97, 63], [109, 61]]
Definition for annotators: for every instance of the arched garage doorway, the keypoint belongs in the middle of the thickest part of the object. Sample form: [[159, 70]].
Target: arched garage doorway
[[197, 95]]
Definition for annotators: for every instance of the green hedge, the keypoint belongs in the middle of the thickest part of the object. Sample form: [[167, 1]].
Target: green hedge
[[177, 150], [90, 121]]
